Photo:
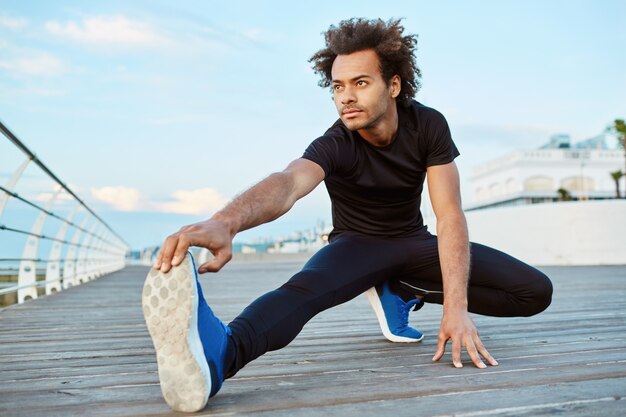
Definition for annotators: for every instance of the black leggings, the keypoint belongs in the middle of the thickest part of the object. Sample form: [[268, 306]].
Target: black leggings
[[499, 285]]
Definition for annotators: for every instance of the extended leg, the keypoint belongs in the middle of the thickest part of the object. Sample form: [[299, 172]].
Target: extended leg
[[337, 273]]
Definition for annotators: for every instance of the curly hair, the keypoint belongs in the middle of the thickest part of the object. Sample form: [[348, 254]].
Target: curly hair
[[395, 52]]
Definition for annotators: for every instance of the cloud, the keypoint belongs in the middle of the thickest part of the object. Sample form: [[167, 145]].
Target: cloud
[[45, 197], [108, 30], [119, 197], [198, 201], [43, 64], [12, 23]]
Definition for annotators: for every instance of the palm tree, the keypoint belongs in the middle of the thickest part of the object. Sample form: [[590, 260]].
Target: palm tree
[[618, 128], [616, 175], [564, 195]]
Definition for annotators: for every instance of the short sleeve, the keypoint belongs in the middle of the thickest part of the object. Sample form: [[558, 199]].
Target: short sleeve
[[332, 151], [322, 151], [440, 146]]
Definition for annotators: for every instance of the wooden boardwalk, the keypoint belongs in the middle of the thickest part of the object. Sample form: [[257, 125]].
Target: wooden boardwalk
[[86, 352]]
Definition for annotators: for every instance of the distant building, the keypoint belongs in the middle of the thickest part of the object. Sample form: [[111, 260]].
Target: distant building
[[535, 176], [586, 231], [305, 241]]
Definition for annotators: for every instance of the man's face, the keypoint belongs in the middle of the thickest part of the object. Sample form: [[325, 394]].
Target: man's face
[[360, 93]]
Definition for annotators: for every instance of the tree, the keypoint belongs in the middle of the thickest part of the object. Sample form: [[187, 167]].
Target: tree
[[616, 175], [564, 195], [618, 128]]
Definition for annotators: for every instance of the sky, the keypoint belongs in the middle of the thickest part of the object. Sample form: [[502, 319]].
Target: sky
[[157, 113]]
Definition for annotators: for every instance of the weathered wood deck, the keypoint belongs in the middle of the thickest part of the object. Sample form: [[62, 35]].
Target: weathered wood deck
[[86, 351]]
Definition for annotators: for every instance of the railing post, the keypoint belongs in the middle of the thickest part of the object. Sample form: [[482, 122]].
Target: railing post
[[69, 266], [81, 260], [107, 251], [94, 253], [27, 274], [53, 269], [95, 256]]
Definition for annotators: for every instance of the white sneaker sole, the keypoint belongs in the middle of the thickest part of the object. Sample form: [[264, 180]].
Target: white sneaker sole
[[170, 308], [372, 297]]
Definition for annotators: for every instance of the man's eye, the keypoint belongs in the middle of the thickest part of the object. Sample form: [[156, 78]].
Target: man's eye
[[361, 83], [336, 87]]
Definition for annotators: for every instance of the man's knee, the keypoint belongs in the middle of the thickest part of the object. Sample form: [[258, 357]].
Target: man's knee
[[541, 290]]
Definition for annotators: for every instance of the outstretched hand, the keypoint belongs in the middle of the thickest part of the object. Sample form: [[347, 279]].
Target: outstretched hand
[[459, 327], [211, 234]]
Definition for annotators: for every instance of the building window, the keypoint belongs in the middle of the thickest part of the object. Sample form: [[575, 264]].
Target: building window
[[511, 185], [578, 183], [495, 190], [539, 183]]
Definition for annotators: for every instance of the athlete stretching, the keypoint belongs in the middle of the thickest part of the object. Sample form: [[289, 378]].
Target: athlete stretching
[[373, 160]]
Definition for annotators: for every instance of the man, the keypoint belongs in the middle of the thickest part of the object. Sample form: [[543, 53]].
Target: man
[[373, 160]]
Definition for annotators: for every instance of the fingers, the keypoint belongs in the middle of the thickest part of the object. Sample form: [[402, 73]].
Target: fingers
[[456, 353], [181, 250], [484, 353], [441, 347], [163, 261], [473, 345], [473, 354], [211, 234], [172, 252]]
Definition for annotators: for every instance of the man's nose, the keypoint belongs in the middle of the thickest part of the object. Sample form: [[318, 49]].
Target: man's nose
[[348, 96]]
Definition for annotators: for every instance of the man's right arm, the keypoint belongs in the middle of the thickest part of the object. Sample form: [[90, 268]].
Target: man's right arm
[[262, 203]]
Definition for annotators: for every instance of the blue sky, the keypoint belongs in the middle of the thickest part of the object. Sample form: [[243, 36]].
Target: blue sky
[[156, 112]]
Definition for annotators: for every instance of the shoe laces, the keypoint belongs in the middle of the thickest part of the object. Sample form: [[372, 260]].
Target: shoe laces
[[404, 308]]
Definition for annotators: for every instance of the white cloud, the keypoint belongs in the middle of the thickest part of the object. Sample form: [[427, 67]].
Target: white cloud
[[43, 64], [108, 30], [45, 197], [199, 201], [12, 23], [119, 197]]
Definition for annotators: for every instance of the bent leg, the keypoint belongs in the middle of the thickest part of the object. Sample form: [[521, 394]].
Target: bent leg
[[337, 273], [499, 284]]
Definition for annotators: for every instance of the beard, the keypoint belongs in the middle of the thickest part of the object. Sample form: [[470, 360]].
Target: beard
[[364, 120]]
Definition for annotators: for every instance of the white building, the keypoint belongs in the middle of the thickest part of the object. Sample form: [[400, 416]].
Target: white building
[[505, 212], [533, 176]]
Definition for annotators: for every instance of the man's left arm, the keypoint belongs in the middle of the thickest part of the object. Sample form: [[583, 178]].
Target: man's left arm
[[454, 258]]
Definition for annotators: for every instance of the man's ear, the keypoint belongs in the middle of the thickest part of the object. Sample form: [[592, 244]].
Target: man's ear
[[395, 86]]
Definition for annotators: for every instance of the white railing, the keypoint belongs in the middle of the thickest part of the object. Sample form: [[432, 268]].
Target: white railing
[[52, 262]]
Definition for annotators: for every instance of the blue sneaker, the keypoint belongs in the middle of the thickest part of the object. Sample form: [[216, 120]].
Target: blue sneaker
[[393, 314], [190, 342]]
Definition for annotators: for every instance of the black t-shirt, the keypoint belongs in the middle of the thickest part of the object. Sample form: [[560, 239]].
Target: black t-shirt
[[377, 190]]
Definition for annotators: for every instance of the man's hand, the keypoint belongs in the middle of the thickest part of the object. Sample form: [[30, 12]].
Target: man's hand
[[459, 326], [211, 234]]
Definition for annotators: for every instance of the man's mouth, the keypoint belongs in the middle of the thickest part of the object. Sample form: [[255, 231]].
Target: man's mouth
[[349, 112]]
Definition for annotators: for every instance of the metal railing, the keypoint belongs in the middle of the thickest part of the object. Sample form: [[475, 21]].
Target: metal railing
[[93, 250]]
